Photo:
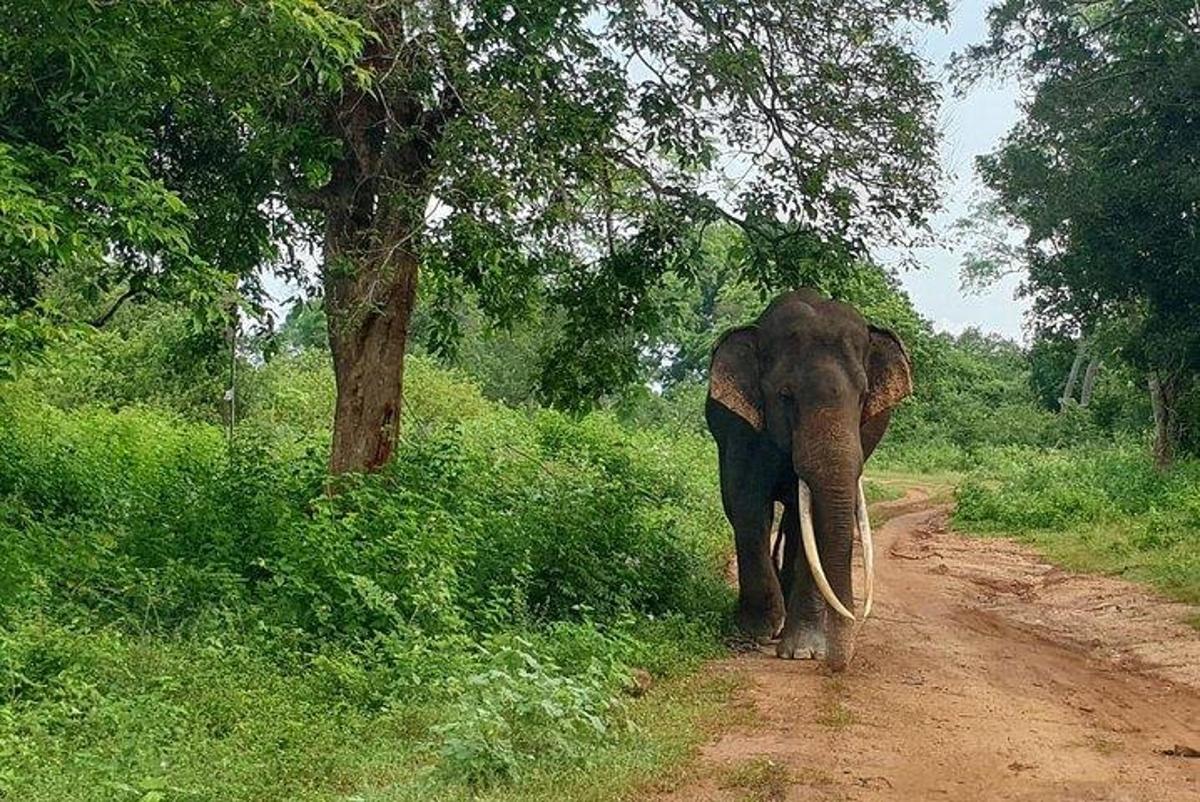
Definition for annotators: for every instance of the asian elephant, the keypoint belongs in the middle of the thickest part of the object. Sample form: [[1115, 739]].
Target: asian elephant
[[797, 402]]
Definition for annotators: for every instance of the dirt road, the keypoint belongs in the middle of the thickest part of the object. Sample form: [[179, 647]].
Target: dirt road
[[984, 674]]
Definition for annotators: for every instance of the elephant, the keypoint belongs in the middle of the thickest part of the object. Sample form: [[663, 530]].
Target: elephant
[[797, 402]]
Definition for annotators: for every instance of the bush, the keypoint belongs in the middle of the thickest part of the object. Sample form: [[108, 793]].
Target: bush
[[488, 593], [153, 354], [522, 708], [1094, 509]]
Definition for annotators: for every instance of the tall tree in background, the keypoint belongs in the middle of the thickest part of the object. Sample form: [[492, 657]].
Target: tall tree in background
[[1104, 174], [728, 289], [494, 146]]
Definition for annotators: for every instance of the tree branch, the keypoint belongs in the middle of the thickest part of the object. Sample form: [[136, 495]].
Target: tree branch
[[112, 310], [659, 188]]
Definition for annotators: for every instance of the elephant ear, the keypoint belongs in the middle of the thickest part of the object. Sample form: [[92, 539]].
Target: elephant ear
[[889, 374], [733, 375]]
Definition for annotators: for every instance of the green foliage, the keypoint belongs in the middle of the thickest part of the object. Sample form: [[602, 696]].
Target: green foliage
[[185, 617], [1105, 509], [149, 354], [23, 336], [975, 394], [304, 328], [1050, 359], [523, 362], [506, 361], [134, 152], [524, 708], [180, 149], [975, 391], [716, 297], [1097, 174], [719, 296], [678, 409], [555, 190]]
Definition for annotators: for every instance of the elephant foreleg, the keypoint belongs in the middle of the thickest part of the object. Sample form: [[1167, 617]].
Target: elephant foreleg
[[760, 602], [749, 469], [748, 507]]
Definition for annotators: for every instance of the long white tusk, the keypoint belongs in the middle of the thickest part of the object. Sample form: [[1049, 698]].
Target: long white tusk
[[868, 549], [810, 552]]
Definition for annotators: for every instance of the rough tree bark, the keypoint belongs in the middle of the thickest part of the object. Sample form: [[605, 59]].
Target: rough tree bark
[[369, 312], [1164, 396], [1089, 381], [1073, 377], [373, 207]]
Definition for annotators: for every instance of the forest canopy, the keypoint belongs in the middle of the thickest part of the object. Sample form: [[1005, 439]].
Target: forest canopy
[[569, 152], [1101, 176]]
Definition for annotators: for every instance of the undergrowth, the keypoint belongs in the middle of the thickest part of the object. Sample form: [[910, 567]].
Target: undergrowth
[[184, 618], [1105, 510]]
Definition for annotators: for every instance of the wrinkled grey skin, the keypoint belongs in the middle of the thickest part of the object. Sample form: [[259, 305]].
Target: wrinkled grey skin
[[805, 392]]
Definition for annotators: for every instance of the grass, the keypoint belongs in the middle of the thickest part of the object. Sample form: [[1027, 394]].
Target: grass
[[761, 779], [879, 490], [834, 713], [1098, 511], [151, 720], [134, 717], [836, 716], [1112, 548], [939, 484]]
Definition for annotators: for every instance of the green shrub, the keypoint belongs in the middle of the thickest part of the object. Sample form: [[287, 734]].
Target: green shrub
[[1094, 509], [522, 708], [171, 599], [152, 354]]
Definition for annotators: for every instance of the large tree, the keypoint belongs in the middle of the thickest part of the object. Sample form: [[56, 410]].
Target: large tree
[[576, 148], [1103, 172]]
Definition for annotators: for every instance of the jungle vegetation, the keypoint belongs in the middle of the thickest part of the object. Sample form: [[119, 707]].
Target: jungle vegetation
[[226, 573]]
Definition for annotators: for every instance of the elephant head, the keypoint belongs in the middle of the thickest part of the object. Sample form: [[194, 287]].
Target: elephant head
[[797, 402]]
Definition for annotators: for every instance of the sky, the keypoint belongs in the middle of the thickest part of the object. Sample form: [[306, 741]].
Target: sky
[[971, 125]]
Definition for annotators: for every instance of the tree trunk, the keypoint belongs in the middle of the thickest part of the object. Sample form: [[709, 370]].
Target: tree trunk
[[1164, 394], [374, 206], [1089, 381], [1073, 376], [368, 307]]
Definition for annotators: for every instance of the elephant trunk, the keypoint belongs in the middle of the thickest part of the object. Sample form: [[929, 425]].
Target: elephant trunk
[[829, 518]]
